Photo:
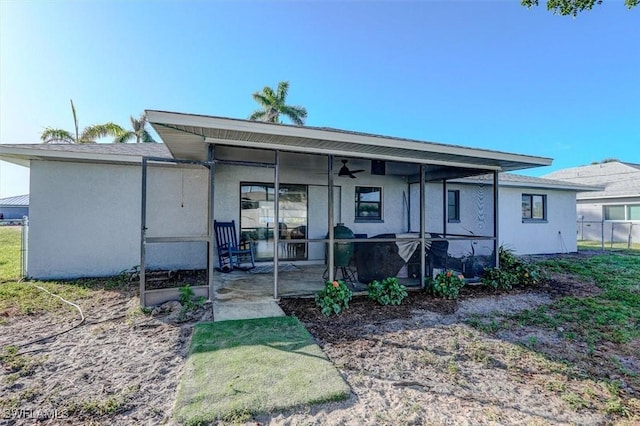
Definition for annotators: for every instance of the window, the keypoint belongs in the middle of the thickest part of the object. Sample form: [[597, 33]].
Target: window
[[368, 203], [613, 212], [622, 212], [534, 207], [453, 206], [257, 215]]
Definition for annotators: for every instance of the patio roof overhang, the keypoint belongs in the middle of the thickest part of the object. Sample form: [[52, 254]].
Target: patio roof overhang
[[188, 135]]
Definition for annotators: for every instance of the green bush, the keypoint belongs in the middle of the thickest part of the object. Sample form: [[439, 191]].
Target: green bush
[[334, 298], [387, 292], [499, 279], [446, 284], [512, 272], [188, 298]]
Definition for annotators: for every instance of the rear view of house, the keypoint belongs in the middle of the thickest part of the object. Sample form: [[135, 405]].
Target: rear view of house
[[411, 205]]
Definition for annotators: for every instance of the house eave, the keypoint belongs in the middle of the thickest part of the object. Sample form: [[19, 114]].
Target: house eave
[[187, 135], [23, 156]]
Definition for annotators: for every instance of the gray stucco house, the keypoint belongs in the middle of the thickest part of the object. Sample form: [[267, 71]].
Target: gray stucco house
[[613, 211], [121, 205]]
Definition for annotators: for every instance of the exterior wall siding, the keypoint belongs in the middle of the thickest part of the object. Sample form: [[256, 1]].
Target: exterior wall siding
[[85, 218], [555, 235], [591, 228]]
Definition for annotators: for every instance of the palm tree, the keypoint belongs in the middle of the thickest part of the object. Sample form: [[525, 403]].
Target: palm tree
[[273, 104], [89, 134], [139, 132]]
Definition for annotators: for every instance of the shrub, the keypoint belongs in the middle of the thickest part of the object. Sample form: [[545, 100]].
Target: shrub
[[446, 284], [334, 297], [512, 272], [188, 298], [387, 292], [499, 279]]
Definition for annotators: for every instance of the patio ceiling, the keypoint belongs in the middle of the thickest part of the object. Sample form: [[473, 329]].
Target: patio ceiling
[[187, 136]]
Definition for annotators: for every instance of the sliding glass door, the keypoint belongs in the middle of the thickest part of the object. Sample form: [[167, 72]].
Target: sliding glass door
[[257, 217]]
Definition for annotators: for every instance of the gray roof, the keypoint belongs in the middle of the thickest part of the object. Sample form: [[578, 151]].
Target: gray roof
[[18, 200], [188, 135], [135, 149], [21, 154], [512, 179], [617, 178]]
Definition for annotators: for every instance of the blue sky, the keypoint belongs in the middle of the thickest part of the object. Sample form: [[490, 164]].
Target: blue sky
[[488, 74]]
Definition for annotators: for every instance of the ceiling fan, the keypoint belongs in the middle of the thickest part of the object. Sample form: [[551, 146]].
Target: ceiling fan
[[344, 170]]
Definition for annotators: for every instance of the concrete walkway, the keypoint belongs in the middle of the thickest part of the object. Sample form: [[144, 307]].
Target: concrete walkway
[[224, 310]]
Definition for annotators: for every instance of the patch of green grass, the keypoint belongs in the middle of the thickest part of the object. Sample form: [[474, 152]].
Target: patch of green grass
[[17, 365], [104, 407], [487, 325], [26, 299], [10, 237], [597, 245], [612, 316], [236, 369]]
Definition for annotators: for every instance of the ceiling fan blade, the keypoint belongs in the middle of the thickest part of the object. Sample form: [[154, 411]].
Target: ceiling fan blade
[[358, 171]]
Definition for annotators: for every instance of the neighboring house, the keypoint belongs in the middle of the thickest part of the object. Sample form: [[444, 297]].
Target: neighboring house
[[614, 210], [117, 206], [13, 208]]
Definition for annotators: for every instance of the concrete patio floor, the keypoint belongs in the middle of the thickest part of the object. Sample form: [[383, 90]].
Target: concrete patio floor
[[245, 295]]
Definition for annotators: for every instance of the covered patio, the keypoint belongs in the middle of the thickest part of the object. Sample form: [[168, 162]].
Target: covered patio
[[394, 198]]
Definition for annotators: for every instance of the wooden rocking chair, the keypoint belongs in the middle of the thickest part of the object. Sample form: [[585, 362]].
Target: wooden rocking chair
[[230, 255]]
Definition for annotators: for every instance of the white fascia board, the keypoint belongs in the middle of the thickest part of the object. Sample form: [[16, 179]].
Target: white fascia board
[[513, 184], [18, 161], [339, 153], [27, 154], [178, 119], [594, 197], [548, 186]]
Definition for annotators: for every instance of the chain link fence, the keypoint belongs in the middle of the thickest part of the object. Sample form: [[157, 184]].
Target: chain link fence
[[610, 235], [24, 240]]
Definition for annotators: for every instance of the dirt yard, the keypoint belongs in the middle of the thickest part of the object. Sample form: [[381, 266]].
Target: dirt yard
[[427, 361], [423, 363]]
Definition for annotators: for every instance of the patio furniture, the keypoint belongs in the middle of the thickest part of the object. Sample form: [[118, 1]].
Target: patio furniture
[[231, 255], [437, 255], [379, 260]]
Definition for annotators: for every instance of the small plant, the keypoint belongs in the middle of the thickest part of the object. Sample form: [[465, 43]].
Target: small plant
[[446, 284], [387, 292], [334, 297], [188, 298], [499, 279], [512, 272]]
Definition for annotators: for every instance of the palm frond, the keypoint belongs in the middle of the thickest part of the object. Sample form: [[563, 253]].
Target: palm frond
[[257, 115], [51, 135], [262, 99], [283, 90], [124, 137], [297, 114], [91, 133], [146, 137]]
